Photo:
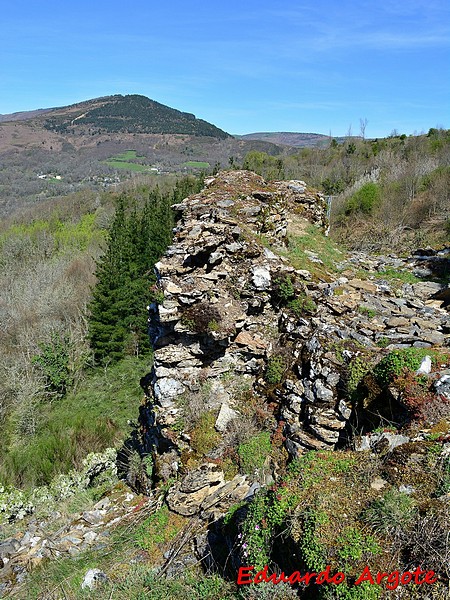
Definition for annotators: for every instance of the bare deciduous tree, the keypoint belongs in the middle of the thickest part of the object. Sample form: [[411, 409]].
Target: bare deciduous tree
[[362, 127]]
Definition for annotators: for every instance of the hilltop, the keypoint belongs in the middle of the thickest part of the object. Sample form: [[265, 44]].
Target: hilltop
[[131, 113], [293, 139], [128, 114]]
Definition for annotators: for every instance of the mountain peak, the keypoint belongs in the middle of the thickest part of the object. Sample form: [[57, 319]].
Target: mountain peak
[[132, 113]]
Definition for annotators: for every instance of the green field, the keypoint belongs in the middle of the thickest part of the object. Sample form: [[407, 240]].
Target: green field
[[128, 155], [118, 164], [196, 164], [123, 161]]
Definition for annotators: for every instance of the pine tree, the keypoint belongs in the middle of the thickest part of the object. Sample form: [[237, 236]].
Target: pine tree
[[138, 237], [107, 328]]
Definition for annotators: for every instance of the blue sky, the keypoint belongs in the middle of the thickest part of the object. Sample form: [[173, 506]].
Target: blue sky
[[310, 66]]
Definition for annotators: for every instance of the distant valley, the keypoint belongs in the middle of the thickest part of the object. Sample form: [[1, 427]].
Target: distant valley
[[98, 143]]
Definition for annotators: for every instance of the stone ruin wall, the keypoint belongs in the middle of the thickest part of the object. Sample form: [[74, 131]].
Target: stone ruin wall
[[220, 323]]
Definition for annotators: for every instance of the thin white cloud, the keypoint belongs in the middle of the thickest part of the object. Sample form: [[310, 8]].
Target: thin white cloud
[[389, 24], [389, 40]]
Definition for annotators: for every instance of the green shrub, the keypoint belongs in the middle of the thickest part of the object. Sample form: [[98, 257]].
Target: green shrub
[[396, 361], [353, 545], [283, 288], [266, 513], [332, 186], [204, 436], [275, 369], [270, 167], [202, 318], [356, 371], [312, 551], [284, 293], [229, 517], [213, 326], [252, 454], [392, 513], [53, 361], [303, 305], [366, 199]]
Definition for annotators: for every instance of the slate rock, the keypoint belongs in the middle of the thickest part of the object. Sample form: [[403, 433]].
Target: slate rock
[[261, 278], [225, 416], [93, 578]]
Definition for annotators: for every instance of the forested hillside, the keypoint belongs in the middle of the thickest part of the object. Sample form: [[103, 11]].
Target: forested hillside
[[131, 114], [100, 143], [77, 276]]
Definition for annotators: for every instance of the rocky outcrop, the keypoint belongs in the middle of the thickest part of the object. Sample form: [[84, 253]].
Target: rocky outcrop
[[226, 281], [204, 491], [219, 314]]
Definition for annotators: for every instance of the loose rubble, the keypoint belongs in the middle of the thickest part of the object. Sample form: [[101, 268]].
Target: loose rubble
[[37, 541]]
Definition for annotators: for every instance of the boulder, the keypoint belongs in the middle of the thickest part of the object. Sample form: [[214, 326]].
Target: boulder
[[261, 278], [93, 578], [167, 389], [225, 416]]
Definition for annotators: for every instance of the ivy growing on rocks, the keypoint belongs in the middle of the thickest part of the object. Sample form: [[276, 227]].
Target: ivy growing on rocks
[[396, 361]]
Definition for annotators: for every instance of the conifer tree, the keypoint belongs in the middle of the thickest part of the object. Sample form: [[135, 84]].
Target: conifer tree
[[138, 237], [107, 327]]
